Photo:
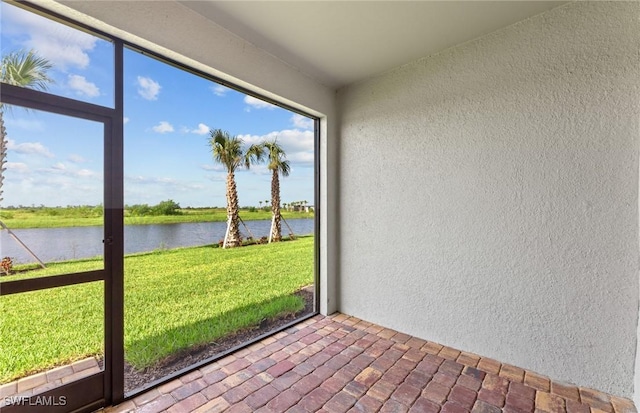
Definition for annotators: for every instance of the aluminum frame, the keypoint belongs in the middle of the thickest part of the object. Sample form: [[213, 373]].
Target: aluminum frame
[[107, 387]]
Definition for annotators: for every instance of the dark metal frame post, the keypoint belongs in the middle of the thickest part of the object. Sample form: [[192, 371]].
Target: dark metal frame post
[[88, 393], [114, 243]]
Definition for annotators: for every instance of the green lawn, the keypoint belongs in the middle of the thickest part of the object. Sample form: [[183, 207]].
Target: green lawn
[[174, 299]]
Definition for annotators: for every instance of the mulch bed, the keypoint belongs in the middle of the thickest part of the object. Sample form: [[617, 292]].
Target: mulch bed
[[134, 379]]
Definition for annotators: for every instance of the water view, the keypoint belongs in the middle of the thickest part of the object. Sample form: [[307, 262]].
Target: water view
[[58, 244]]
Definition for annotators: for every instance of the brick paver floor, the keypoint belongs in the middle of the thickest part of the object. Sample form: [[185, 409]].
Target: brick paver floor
[[343, 364], [47, 380]]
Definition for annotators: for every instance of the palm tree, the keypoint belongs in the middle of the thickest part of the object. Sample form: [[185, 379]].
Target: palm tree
[[277, 164], [25, 69], [229, 151]]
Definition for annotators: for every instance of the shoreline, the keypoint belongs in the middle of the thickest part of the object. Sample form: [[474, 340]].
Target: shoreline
[[43, 222]]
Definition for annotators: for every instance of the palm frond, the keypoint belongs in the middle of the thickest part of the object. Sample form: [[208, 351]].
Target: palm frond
[[277, 157], [26, 69], [226, 149], [254, 155]]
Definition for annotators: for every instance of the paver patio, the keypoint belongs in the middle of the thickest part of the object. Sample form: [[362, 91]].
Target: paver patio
[[343, 364], [50, 379]]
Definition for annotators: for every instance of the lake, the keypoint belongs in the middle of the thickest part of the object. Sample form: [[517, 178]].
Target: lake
[[57, 244]]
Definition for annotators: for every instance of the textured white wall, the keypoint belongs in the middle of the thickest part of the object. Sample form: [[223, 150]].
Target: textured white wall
[[174, 31], [489, 195]]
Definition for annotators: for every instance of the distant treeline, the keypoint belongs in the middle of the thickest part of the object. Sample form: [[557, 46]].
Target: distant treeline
[[77, 211], [168, 207]]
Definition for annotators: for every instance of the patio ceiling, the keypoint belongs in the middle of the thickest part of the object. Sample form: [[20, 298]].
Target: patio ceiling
[[342, 42]]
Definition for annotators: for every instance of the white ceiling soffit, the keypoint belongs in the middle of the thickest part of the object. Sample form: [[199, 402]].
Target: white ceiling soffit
[[341, 42]]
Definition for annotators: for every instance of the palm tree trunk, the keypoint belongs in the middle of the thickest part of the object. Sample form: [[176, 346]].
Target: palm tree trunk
[[276, 233], [234, 239]]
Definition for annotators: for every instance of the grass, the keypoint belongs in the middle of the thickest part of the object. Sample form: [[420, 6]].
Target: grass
[[80, 217], [174, 299]]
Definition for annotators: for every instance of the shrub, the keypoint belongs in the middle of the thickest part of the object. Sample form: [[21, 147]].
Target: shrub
[[168, 207], [6, 265], [139, 210]]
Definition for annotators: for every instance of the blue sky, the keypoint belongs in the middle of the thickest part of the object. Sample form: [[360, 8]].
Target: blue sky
[[54, 160]]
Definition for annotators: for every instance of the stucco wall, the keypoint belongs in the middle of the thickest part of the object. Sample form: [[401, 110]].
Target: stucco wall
[[177, 32], [489, 196]]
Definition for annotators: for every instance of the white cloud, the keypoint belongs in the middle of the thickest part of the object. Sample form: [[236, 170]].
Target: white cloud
[[217, 177], [125, 120], [17, 166], [75, 158], [62, 45], [148, 88], [30, 148], [297, 144], [85, 173], [261, 169], [257, 103], [61, 169], [58, 184], [292, 140], [150, 180], [202, 129], [163, 127], [166, 180], [82, 86], [219, 90], [170, 185], [301, 122], [302, 158], [215, 167]]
